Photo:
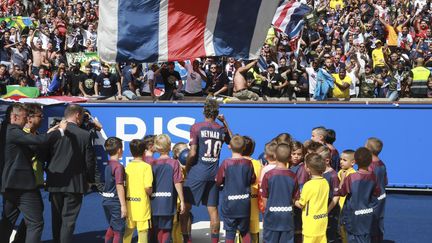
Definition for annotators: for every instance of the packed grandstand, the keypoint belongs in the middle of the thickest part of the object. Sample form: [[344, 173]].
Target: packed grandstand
[[370, 48]]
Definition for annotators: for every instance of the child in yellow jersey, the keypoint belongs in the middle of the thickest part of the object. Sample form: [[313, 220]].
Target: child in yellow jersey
[[346, 163], [314, 201], [178, 150], [254, 226], [139, 180]]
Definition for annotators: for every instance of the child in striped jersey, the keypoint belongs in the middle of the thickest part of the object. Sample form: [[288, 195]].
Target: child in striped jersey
[[346, 164]]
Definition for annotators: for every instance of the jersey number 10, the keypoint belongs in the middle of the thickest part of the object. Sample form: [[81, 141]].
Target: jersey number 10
[[213, 147]]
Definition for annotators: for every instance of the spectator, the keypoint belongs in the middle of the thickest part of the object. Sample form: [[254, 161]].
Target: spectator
[[276, 85], [147, 82], [42, 82], [194, 79], [418, 80], [108, 84], [217, 81], [171, 78], [87, 80]]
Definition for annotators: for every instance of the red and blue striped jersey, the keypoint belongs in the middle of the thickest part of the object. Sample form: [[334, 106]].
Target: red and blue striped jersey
[[236, 176], [209, 137], [362, 190], [166, 173], [280, 187]]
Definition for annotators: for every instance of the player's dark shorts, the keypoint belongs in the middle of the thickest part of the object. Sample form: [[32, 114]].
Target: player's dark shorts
[[113, 215], [358, 238], [271, 236], [234, 224], [162, 222], [205, 192]]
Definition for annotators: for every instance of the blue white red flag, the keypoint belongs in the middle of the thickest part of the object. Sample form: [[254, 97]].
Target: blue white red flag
[[167, 30], [289, 17]]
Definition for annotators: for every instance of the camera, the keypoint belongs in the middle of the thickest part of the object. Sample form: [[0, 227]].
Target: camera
[[55, 122]]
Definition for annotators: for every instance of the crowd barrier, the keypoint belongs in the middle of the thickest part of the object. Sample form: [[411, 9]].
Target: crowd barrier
[[403, 128]]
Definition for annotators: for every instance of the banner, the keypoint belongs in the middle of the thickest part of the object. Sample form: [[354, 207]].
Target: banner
[[405, 144], [85, 58], [15, 90], [19, 22], [171, 30]]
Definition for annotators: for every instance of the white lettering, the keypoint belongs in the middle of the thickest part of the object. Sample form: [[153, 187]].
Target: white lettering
[[121, 123], [158, 124], [175, 131]]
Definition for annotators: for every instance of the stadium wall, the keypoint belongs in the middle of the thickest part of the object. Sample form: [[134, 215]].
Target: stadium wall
[[403, 128]]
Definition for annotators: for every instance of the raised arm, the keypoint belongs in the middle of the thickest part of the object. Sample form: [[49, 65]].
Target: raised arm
[[247, 67]]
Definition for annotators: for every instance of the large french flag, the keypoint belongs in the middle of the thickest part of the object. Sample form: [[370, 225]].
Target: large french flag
[[168, 30], [289, 17]]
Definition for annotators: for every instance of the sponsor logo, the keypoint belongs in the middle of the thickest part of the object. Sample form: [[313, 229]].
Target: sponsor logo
[[238, 197], [280, 209], [363, 211]]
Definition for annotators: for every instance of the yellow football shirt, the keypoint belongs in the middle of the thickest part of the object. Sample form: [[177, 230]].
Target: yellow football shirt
[[338, 93], [139, 176], [349, 172], [254, 218], [37, 166], [378, 57], [314, 199]]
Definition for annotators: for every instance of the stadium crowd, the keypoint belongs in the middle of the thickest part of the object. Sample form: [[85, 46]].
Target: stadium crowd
[[351, 48]]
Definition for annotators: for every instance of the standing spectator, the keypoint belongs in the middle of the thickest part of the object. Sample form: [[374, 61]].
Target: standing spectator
[[19, 55], [73, 78], [39, 54], [147, 82], [276, 85], [42, 82], [87, 80], [342, 84], [378, 57], [107, 84], [4, 79], [69, 173], [195, 78], [217, 82], [171, 78], [241, 91], [419, 77]]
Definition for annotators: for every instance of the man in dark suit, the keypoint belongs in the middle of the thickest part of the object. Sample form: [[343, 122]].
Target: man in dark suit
[[18, 183], [69, 174]]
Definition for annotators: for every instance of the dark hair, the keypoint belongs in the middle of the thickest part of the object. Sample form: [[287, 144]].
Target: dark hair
[[330, 137], [33, 109], [72, 109], [363, 157], [249, 146], [148, 141], [88, 66], [112, 145], [136, 147], [211, 108]]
